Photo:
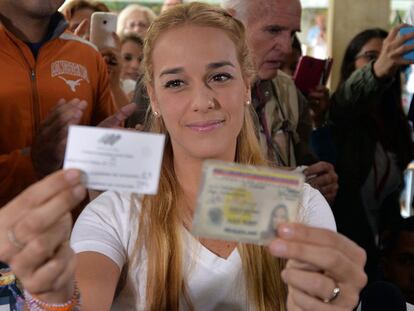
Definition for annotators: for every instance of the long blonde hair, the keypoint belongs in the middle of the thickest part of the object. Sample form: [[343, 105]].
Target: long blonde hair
[[160, 223]]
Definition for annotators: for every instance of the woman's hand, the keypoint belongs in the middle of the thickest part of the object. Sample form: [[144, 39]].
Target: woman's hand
[[392, 52], [34, 233], [319, 262]]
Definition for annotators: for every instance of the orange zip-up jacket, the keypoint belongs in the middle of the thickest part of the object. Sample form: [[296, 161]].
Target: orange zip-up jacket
[[66, 67]]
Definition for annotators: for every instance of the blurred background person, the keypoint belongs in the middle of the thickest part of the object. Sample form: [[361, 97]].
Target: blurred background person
[[372, 139], [397, 258], [136, 19], [319, 101], [170, 3], [316, 37], [292, 59], [78, 14], [283, 120], [131, 57], [78, 11]]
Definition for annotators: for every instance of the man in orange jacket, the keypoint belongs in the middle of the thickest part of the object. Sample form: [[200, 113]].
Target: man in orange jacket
[[49, 79]]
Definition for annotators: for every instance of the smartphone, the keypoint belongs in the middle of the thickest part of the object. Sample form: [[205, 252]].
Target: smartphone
[[103, 25], [311, 72], [405, 31]]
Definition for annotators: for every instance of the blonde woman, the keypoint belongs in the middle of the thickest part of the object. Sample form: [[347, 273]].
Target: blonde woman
[[137, 253], [136, 19]]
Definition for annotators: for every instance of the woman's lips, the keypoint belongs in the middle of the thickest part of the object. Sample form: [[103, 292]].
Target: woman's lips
[[205, 126], [132, 75]]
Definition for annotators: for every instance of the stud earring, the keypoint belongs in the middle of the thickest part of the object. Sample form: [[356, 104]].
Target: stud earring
[[156, 114], [248, 102]]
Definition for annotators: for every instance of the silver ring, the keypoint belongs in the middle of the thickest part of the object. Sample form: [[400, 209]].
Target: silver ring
[[335, 293], [13, 240]]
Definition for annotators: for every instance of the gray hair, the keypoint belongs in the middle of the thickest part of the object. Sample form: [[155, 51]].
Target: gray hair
[[238, 8], [127, 11]]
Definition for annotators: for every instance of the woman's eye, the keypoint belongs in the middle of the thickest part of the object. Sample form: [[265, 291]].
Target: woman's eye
[[222, 77], [173, 84], [128, 57]]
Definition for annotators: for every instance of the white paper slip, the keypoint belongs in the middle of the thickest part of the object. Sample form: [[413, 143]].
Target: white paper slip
[[245, 203], [114, 159]]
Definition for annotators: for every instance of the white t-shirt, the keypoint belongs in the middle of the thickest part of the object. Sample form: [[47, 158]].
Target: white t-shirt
[[108, 226], [410, 307]]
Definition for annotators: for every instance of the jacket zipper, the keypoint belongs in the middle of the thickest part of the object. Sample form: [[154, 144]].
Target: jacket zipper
[[33, 79], [35, 96]]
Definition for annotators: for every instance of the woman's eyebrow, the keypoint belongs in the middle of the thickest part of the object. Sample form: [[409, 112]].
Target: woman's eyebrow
[[171, 71], [216, 65]]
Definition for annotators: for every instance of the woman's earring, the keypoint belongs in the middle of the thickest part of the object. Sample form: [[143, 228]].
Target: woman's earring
[[156, 114], [248, 102]]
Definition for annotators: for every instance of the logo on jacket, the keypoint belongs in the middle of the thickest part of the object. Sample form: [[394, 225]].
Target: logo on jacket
[[63, 67], [72, 83]]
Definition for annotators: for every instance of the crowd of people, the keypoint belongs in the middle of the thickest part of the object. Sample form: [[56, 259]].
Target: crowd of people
[[217, 82]]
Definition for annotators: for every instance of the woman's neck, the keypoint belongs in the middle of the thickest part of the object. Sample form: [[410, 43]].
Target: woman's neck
[[188, 172]]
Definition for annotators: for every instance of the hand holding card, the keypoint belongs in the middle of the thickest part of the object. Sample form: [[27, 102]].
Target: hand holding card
[[245, 203], [113, 159]]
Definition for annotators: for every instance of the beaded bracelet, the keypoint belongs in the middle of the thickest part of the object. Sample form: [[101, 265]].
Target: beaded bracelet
[[73, 304]]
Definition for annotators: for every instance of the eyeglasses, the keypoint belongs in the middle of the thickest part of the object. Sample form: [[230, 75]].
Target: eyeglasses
[[368, 55]]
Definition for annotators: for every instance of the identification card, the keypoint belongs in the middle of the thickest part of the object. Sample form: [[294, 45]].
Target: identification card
[[245, 203], [114, 159]]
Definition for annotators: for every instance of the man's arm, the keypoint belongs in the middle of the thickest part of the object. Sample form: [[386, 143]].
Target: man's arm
[[357, 94], [365, 86]]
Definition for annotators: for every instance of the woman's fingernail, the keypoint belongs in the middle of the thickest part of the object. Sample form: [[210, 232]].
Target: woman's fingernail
[[278, 248], [72, 176], [83, 178], [286, 231], [79, 192]]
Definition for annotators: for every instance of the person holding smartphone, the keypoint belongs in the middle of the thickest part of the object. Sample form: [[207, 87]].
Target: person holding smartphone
[[372, 137], [78, 13]]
